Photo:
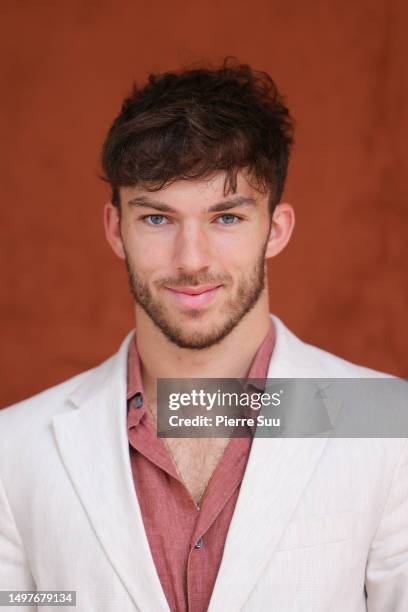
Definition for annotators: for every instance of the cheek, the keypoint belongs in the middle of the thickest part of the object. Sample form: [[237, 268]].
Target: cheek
[[247, 235], [238, 256], [146, 256]]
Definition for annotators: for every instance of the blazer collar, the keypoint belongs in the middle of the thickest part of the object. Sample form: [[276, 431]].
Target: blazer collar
[[291, 358]]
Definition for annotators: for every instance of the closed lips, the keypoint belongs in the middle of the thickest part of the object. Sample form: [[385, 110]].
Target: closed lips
[[194, 290]]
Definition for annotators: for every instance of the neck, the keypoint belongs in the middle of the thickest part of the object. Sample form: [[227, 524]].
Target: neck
[[230, 358]]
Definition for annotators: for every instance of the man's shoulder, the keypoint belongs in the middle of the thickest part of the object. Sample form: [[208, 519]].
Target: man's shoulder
[[303, 359], [39, 409], [339, 367], [44, 404]]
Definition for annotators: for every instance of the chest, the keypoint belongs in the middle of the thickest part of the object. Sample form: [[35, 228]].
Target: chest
[[195, 461]]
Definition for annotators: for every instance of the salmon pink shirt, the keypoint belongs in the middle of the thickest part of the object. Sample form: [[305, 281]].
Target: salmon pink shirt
[[186, 539]]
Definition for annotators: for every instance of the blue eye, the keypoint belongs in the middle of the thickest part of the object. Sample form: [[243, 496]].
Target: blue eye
[[155, 219], [229, 219]]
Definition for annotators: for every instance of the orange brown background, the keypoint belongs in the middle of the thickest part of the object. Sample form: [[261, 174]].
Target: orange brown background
[[341, 283]]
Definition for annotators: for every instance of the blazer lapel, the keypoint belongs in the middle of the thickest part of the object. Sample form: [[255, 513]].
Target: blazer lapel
[[277, 473], [92, 438]]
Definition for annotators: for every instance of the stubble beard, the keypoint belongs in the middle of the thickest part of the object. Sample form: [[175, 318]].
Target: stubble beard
[[248, 293]]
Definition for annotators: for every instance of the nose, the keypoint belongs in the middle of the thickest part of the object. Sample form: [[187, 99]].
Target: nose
[[191, 249]]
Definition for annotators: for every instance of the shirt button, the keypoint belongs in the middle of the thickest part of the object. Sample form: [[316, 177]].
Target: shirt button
[[138, 400], [199, 543]]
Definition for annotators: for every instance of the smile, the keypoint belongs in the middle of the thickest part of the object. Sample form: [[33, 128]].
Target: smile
[[195, 297]]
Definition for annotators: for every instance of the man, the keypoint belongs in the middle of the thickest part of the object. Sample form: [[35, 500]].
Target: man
[[93, 501]]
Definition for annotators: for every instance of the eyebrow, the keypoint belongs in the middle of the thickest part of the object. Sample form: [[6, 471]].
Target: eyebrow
[[144, 202]]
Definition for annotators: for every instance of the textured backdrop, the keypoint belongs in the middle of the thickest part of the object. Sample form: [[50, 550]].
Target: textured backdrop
[[340, 284]]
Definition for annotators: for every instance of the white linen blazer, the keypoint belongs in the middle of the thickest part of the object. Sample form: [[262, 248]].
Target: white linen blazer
[[320, 525]]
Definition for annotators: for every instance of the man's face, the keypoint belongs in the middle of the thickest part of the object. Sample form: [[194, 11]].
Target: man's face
[[195, 257]]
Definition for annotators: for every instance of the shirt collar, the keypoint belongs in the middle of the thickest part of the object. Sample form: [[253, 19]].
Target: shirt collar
[[257, 372]]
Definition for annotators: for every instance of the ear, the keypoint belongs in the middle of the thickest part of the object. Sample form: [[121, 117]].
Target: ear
[[113, 235], [283, 222]]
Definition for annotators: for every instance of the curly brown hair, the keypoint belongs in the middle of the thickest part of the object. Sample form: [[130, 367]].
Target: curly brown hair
[[191, 123]]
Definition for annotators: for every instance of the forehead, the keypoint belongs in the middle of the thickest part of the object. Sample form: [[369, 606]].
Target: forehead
[[198, 194]]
